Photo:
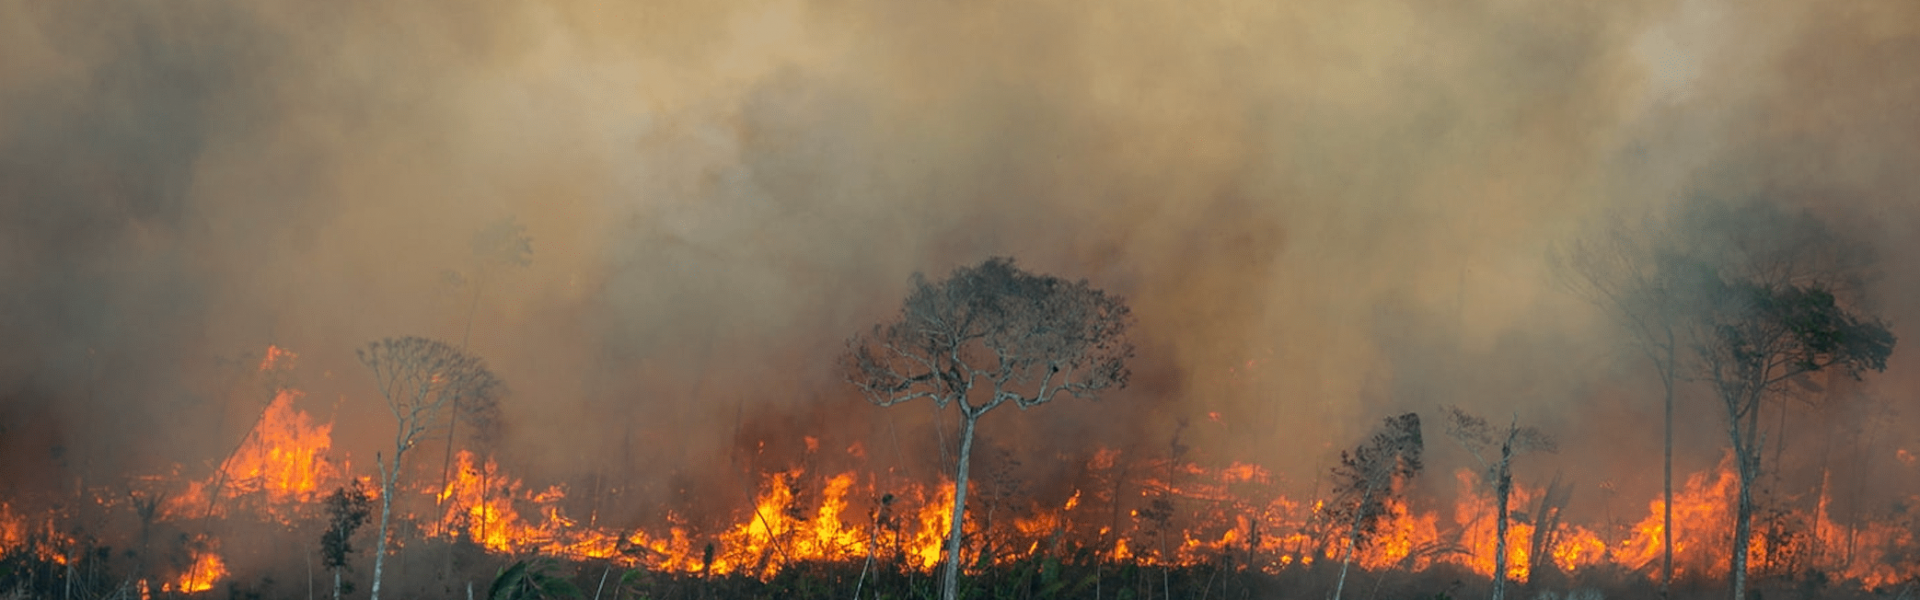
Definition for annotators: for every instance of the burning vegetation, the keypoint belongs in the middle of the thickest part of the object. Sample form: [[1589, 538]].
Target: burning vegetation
[[1144, 517], [1628, 279], [1152, 523], [1147, 512], [1145, 521]]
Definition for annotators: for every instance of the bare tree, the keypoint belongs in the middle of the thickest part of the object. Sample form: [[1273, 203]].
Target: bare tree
[[419, 378], [502, 245], [1363, 482], [1481, 440], [986, 336], [1634, 277]]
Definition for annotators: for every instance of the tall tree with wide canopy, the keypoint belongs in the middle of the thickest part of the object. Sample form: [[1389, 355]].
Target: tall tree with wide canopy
[[985, 336], [1754, 345], [1749, 298], [1776, 302]]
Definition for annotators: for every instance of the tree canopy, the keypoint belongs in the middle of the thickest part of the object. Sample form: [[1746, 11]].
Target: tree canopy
[[1022, 336]]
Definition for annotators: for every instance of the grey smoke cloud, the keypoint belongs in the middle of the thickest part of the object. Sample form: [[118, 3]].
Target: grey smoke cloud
[[1322, 212]]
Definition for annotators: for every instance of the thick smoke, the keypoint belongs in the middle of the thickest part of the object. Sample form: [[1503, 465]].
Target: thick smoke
[[1322, 212]]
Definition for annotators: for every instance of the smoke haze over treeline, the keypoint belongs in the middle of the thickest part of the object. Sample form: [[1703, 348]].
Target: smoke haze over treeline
[[1322, 213]]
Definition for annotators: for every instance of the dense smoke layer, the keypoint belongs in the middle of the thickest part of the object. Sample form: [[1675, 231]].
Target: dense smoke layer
[[1322, 213]]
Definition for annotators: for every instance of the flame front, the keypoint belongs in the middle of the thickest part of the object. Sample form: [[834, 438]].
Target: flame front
[[285, 457], [1150, 512]]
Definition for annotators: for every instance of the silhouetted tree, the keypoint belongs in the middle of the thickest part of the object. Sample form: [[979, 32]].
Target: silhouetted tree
[[1363, 482], [419, 379], [1745, 296], [986, 336], [1762, 338], [348, 507], [1481, 439], [1770, 309]]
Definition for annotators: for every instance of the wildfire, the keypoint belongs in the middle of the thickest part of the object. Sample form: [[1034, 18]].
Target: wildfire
[[1702, 518], [1147, 511], [1399, 537], [284, 456], [483, 506], [40, 537], [207, 569], [1569, 547], [479, 502], [282, 461]]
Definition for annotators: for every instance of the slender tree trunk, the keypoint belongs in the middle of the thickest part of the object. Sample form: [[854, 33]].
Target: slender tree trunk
[[1666, 478], [950, 588], [1504, 488], [446, 463], [388, 479], [1353, 541], [1746, 456], [1743, 525], [336, 583]]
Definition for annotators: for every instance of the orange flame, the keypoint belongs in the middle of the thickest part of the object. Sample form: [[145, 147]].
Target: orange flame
[[1236, 509], [41, 536], [479, 501], [284, 456], [206, 570]]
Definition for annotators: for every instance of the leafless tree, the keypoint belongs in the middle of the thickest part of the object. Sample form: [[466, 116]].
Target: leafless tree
[[989, 335], [420, 379], [1481, 440], [500, 246], [1363, 482], [1633, 275]]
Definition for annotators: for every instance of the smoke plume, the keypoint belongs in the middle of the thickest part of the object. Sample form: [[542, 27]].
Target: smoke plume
[[1322, 213]]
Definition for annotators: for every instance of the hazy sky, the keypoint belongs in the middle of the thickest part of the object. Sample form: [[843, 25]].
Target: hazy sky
[[1322, 212]]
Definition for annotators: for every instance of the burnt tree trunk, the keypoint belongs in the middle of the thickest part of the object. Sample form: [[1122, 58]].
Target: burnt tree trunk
[[1504, 489], [1747, 444], [1666, 478]]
